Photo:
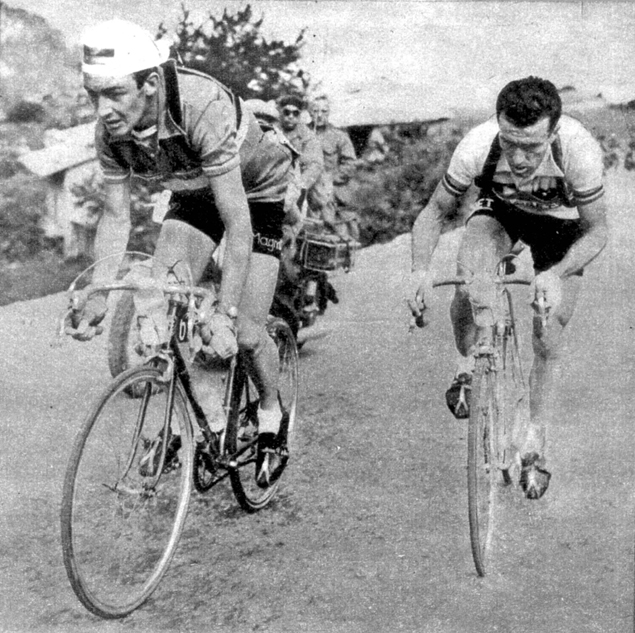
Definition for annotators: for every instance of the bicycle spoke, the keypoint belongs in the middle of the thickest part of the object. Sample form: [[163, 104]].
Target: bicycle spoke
[[121, 516], [242, 427]]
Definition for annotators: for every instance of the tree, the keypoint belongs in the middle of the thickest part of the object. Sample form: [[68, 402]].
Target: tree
[[233, 50]]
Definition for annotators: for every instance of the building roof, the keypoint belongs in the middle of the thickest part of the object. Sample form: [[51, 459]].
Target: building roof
[[68, 148], [382, 102]]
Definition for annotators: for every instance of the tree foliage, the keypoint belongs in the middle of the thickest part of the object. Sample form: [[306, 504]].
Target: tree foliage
[[233, 50], [388, 197]]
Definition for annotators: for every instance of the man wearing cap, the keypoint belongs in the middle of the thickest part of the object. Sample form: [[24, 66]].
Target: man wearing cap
[[311, 161], [186, 131], [309, 170]]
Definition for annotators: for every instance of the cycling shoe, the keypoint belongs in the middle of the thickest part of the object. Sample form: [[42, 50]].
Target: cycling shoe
[[458, 395], [534, 480], [272, 454]]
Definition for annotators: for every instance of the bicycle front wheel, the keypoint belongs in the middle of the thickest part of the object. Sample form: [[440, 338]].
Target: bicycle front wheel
[[513, 405], [122, 338], [481, 463], [242, 426], [126, 492]]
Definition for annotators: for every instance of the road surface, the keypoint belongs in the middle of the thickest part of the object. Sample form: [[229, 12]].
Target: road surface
[[369, 533]]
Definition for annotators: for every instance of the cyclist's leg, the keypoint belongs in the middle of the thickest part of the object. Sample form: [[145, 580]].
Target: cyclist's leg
[[544, 376], [186, 243], [191, 231], [485, 241], [252, 336], [260, 350], [181, 247], [549, 239]]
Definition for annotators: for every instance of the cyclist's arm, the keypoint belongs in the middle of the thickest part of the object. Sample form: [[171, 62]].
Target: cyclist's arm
[[113, 230], [593, 240], [231, 201], [427, 227]]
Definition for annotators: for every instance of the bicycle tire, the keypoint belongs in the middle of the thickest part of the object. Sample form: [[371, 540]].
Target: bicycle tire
[[121, 354], [120, 524], [512, 388], [282, 310], [481, 465], [242, 424]]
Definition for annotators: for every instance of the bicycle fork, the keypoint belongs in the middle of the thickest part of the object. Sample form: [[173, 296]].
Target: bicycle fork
[[491, 340]]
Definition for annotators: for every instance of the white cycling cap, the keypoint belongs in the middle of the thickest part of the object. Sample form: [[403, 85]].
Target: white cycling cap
[[116, 48]]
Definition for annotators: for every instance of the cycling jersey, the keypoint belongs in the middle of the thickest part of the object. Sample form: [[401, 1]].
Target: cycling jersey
[[570, 173], [203, 131]]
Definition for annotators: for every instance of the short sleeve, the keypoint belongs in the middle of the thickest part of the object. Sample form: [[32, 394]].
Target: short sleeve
[[468, 159], [212, 133], [584, 167]]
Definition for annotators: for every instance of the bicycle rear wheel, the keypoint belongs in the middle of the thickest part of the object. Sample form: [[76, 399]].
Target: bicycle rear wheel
[[124, 505], [481, 463], [242, 426]]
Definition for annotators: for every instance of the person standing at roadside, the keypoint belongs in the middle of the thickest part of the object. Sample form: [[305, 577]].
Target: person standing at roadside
[[309, 170], [331, 194], [303, 140]]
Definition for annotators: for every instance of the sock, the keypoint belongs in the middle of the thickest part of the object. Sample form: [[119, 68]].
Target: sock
[[269, 421], [464, 364]]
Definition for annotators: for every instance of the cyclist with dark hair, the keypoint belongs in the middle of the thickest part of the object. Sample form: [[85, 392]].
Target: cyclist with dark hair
[[540, 174], [304, 141]]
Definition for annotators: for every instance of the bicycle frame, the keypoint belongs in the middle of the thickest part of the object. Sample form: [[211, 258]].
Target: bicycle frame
[[128, 442], [181, 321], [498, 388]]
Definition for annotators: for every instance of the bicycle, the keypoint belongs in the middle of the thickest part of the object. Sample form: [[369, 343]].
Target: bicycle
[[497, 407], [125, 500]]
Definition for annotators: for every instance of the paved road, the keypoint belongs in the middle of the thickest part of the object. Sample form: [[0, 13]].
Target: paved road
[[370, 532]]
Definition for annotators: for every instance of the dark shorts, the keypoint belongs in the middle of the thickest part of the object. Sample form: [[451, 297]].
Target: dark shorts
[[548, 238], [198, 209]]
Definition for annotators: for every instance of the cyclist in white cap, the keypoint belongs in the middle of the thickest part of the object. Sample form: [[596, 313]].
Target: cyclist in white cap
[[185, 130]]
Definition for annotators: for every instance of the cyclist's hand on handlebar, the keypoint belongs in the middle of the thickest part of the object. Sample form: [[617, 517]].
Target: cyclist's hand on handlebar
[[218, 333], [548, 287], [84, 317], [419, 304]]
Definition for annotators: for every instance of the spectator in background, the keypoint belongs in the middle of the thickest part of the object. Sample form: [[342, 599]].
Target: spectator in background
[[304, 141], [376, 149], [331, 194]]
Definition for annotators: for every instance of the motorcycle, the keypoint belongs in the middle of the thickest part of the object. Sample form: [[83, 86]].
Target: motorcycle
[[304, 290]]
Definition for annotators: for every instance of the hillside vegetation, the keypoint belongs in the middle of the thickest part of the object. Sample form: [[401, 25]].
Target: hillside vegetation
[[41, 89], [35, 61]]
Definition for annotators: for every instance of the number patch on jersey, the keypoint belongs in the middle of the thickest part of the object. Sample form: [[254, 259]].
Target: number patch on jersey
[[181, 329]]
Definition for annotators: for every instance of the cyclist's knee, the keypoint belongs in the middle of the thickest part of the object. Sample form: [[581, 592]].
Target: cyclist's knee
[[250, 335], [484, 243]]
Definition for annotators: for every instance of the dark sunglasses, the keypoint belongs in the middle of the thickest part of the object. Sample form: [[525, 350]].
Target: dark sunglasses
[[290, 112]]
